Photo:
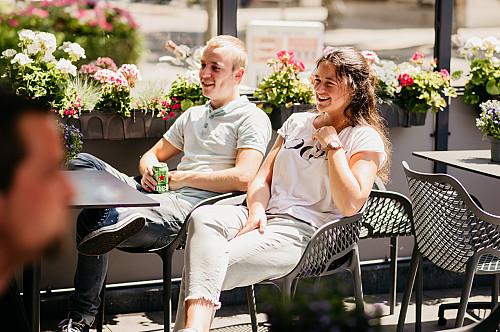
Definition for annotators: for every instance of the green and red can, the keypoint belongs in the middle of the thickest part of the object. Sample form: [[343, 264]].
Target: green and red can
[[160, 174]]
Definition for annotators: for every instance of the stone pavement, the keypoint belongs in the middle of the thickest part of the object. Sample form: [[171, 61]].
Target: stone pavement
[[236, 318]]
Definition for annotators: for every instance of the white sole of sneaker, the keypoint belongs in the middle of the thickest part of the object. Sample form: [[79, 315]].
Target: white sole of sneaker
[[107, 238]]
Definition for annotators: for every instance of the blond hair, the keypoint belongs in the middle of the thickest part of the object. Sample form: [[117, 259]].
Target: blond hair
[[237, 51]]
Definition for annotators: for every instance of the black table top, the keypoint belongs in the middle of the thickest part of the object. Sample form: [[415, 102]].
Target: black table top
[[100, 189], [477, 161]]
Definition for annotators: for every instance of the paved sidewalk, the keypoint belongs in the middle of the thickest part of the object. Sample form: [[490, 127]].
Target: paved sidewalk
[[236, 318]]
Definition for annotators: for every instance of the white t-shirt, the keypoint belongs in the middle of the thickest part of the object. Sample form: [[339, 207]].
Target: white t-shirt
[[210, 138], [300, 184]]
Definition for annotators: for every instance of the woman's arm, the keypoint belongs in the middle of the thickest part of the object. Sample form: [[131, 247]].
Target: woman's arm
[[350, 182], [259, 192]]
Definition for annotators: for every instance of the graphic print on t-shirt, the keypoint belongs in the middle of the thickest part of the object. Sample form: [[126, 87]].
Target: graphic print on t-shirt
[[305, 151]]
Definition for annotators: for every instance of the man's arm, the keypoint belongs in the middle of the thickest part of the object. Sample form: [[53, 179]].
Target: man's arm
[[162, 151], [232, 179]]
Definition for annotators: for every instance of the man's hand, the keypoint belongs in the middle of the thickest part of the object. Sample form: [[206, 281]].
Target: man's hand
[[256, 219], [175, 179], [148, 183]]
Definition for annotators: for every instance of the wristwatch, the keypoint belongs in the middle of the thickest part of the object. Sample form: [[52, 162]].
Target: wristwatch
[[335, 144]]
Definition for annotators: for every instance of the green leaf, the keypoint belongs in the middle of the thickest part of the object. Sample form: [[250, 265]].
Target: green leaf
[[493, 87]]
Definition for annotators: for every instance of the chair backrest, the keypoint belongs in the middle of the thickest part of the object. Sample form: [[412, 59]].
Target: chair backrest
[[449, 227], [387, 214], [331, 242]]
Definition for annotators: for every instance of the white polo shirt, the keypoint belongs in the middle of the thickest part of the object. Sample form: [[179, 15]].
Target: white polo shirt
[[210, 138]]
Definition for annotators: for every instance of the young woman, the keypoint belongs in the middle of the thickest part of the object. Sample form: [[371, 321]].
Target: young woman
[[322, 167]]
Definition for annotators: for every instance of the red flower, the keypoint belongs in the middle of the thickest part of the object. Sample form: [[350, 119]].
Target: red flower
[[171, 114], [405, 79]]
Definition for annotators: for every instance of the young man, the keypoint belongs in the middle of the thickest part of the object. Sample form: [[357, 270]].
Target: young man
[[223, 143], [34, 193]]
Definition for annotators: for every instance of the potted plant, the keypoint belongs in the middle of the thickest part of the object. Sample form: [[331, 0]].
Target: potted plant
[[287, 89], [489, 123], [483, 79], [99, 27], [72, 138], [317, 306], [407, 91], [33, 71]]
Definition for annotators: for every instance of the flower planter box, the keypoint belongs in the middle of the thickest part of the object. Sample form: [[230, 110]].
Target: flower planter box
[[279, 115], [110, 125], [395, 115]]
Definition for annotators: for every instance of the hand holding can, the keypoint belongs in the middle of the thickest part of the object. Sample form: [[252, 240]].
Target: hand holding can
[[160, 174]]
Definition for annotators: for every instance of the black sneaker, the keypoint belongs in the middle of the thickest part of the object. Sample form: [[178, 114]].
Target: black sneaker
[[97, 238], [71, 325]]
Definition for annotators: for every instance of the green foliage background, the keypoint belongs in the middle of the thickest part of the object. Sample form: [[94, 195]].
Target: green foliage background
[[115, 35]]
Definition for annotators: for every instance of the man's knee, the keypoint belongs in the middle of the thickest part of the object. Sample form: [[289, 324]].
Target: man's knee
[[85, 161]]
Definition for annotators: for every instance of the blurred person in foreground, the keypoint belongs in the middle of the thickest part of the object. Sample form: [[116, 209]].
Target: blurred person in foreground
[[322, 167], [34, 193]]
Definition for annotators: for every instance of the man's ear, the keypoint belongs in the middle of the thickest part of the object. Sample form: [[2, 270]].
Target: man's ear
[[239, 74]]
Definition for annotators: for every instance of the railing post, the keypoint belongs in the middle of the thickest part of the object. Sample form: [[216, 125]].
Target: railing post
[[226, 17], [442, 51]]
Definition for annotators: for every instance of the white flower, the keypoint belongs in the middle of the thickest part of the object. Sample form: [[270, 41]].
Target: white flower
[[9, 53], [66, 67], [26, 35], [192, 76], [106, 76], [48, 57], [22, 59], [371, 56], [34, 48], [490, 45], [473, 43], [47, 41], [74, 50], [130, 71]]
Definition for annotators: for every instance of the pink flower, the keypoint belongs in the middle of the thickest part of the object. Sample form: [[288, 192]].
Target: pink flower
[[106, 63], [89, 69], [328, 49], [405, 79], [13, 23], [418, 58], [370, 56], [171, 114], [445, 74]]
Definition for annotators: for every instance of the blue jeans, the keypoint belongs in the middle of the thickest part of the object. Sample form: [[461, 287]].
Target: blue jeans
[[162, 225]]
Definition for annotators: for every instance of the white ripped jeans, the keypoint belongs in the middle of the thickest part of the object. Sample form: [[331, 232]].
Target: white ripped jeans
[[216, 260]]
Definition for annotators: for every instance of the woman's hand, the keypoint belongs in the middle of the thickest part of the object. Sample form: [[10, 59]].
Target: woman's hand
[[325, 135], [148, 183], [256, 219]]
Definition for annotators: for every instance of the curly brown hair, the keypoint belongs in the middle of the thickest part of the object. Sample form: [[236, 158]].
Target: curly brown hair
[[353, 70]]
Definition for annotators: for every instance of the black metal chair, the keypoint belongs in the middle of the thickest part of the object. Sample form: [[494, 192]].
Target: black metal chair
[[452, 232], [166, 253], [387, 215], [332, 247]]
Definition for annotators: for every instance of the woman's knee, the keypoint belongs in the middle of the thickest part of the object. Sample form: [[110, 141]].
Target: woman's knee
[[223, 218]]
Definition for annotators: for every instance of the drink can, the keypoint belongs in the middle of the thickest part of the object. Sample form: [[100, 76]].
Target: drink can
[[160, 174]]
